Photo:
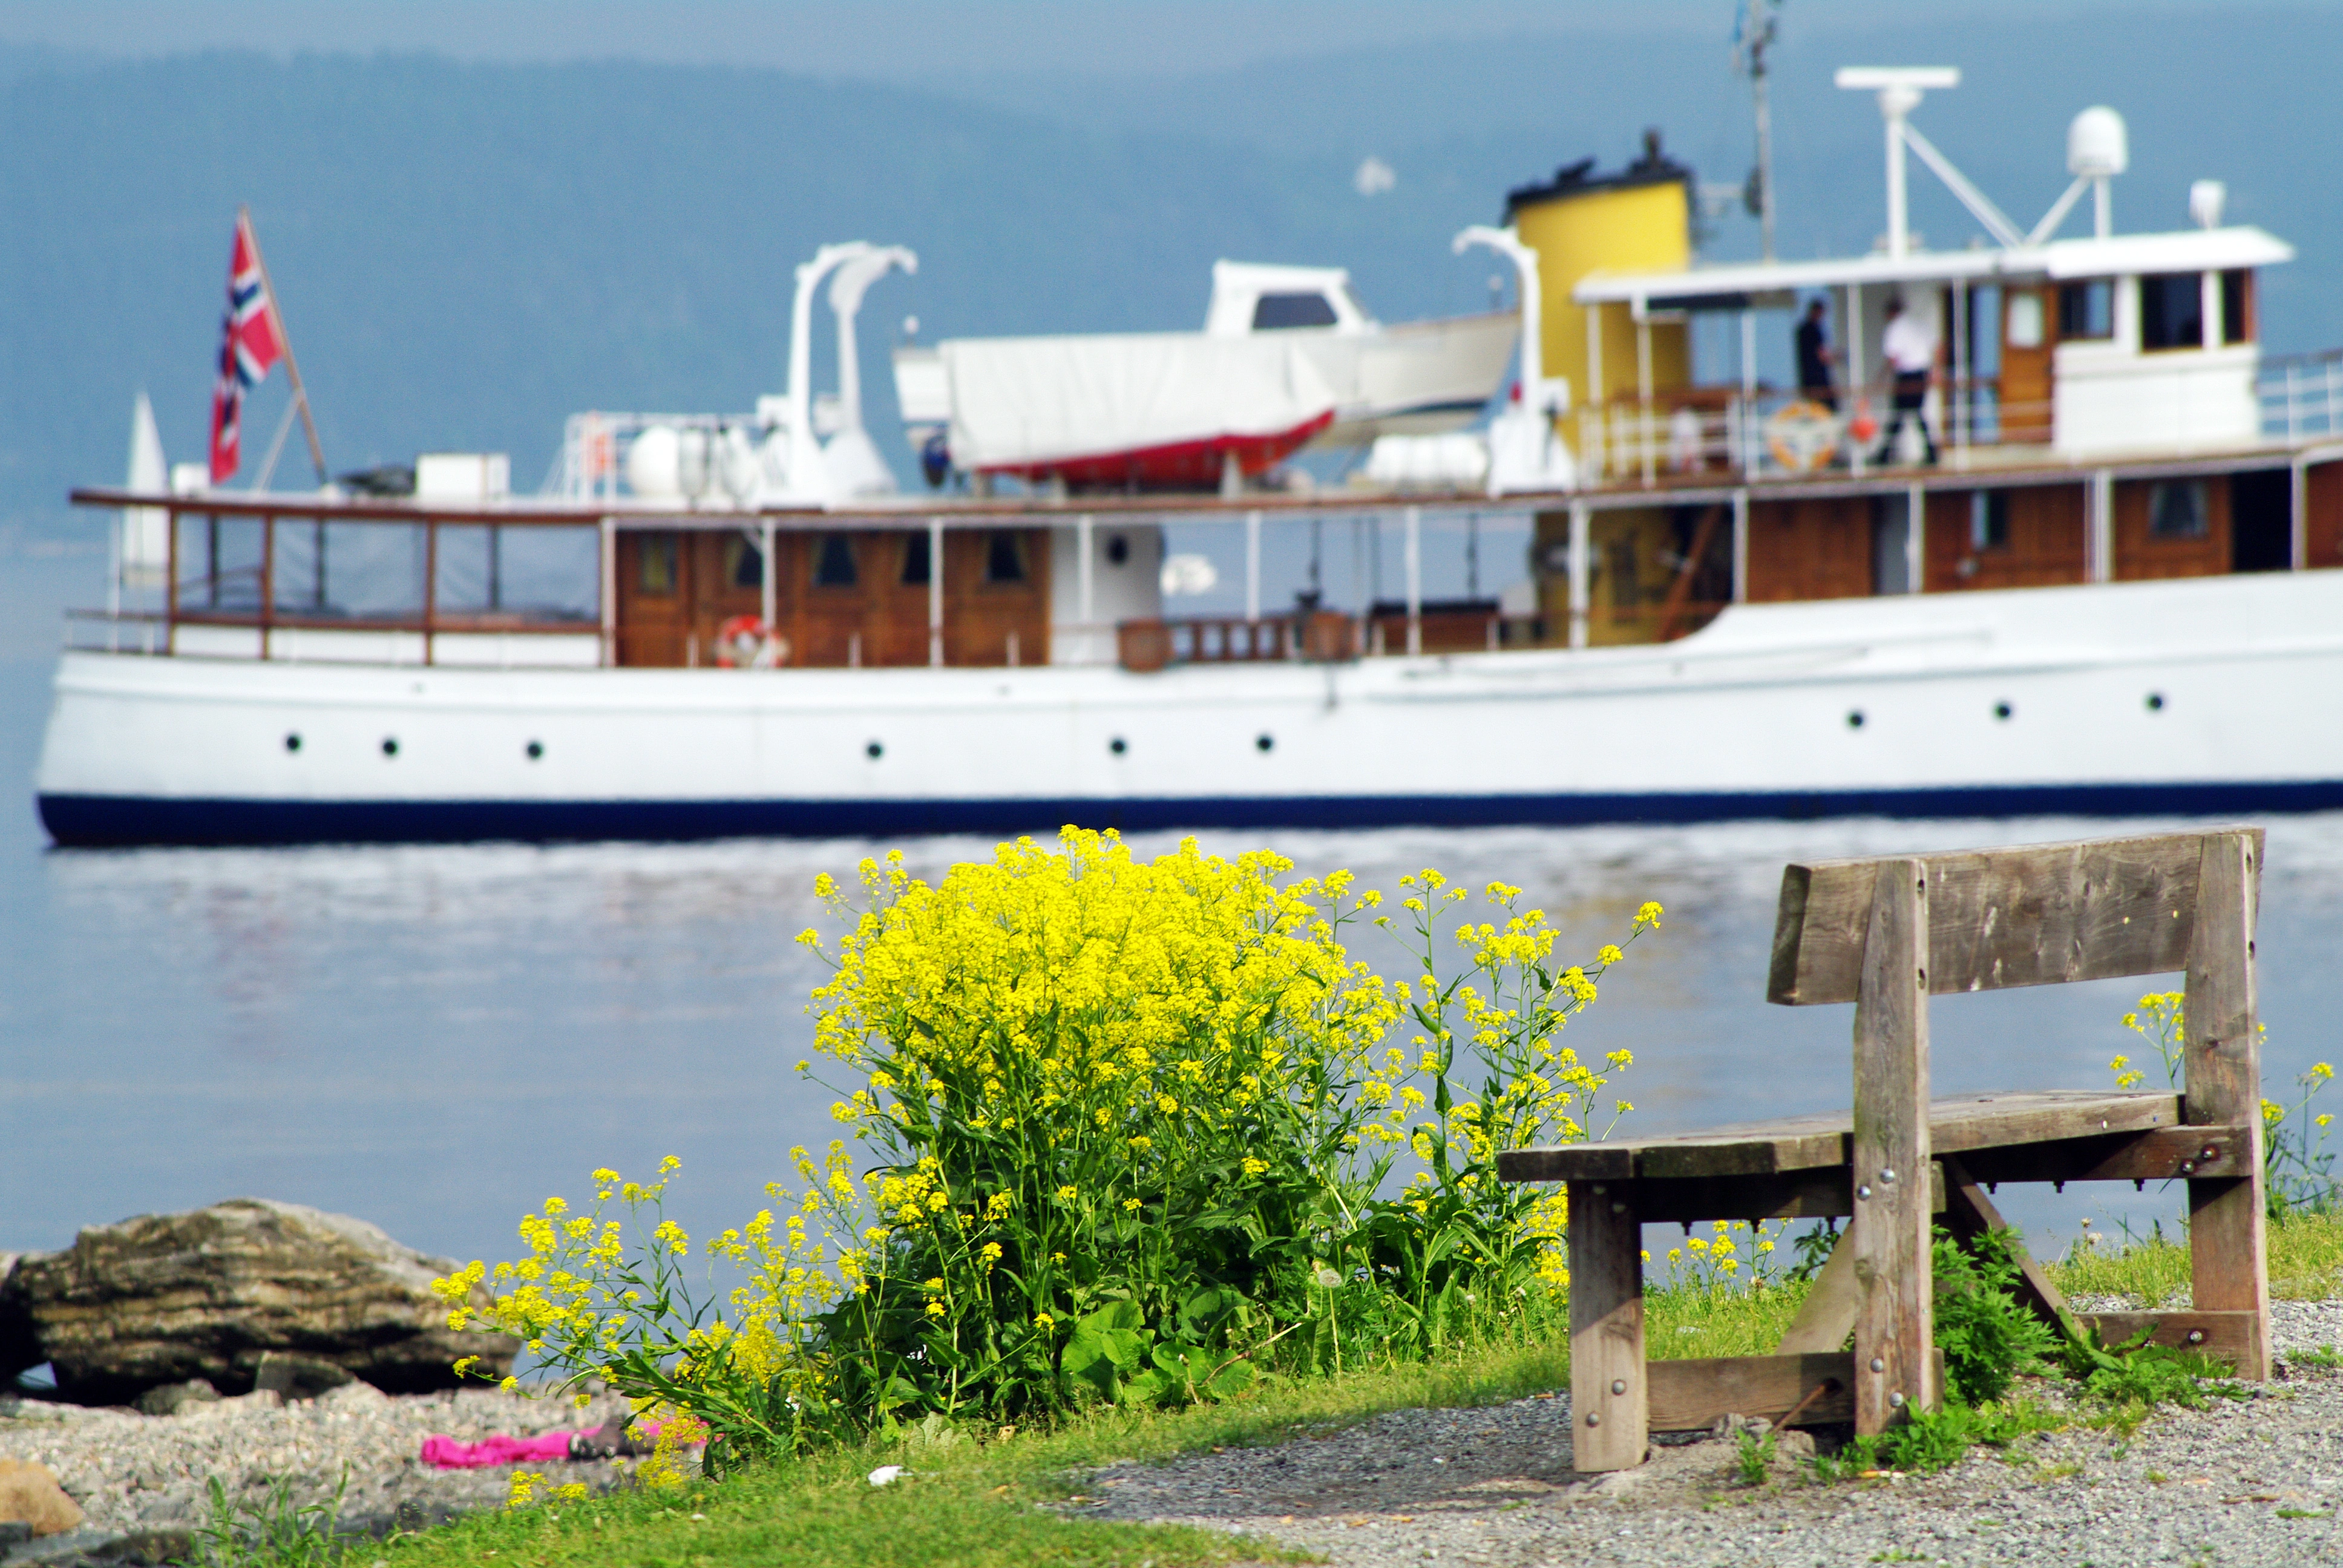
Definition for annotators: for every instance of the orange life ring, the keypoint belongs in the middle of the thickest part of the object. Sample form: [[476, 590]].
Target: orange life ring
[[1802, 436], [744, 641]]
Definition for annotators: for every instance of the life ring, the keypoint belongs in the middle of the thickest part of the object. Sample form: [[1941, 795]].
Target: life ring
[[746, 642], [1802, 436]]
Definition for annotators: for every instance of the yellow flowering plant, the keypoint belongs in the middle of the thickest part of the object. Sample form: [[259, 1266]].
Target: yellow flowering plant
[[2297, 1168], [589, 1305], [1110, 1101], [1129, 1130], [1458, 1241]]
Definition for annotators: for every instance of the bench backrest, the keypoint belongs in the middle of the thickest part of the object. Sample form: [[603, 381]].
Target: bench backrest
[[2032, 914]]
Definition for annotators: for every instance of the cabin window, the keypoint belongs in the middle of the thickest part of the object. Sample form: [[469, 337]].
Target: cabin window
[[2025, 318], [655, 558], [833, 562], [2172, 310], [2238, 306], [1989, 520], [1271, 311], [1004, 562], [744, 563], [915, 560], [2176, 510], [2088, 308], [1118, 550]]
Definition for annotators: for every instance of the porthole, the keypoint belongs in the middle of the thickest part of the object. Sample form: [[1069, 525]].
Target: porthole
[[2155, 702], [1855, 718], [1118, 550], [536, 750], [2002, 711], [1264, 742], [874, 751], [390, 745], [292, 741], [1117, 746]]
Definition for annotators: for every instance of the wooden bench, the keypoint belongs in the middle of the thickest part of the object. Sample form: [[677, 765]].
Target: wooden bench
[[1886, 934]]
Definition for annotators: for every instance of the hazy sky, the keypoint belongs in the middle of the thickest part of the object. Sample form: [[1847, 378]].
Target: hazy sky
[[922, 38]]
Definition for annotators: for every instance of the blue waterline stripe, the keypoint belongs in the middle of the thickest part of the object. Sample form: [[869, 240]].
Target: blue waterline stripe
[[100, 820]]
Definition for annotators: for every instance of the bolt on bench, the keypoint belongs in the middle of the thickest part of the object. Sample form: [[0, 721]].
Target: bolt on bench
[[1886, 934]]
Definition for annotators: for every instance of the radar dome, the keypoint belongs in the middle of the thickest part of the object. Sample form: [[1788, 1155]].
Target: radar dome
[[2097, 147], [653, 463]]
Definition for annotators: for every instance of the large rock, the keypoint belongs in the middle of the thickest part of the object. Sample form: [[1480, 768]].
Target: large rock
[[20, 1345], [165, 1298]]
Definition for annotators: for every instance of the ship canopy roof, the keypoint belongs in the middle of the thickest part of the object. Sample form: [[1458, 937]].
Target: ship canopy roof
[[1737, 286]]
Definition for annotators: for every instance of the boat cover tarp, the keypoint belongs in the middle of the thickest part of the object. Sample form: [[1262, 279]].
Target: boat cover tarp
[[1020, 401]]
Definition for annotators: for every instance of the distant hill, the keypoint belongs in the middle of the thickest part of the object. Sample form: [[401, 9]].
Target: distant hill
[[466, 253]]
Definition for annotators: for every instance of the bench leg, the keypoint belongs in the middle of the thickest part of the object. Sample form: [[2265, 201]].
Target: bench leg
[[2221, 1050], [1610, 1408], [1894, 1317]]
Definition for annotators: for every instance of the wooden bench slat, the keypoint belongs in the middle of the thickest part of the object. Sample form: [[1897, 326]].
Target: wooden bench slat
[[1957, 1125], [2164, 1154], [2233, 1336], [2031, 914], [1689, 1395]]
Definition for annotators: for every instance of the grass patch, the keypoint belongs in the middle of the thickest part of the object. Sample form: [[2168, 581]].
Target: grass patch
[[972, 1499], [1687, 1324], [2305, 1264]]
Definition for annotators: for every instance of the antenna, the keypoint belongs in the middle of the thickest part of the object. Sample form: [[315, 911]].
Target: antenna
[[1899, 89], [1752, 34]]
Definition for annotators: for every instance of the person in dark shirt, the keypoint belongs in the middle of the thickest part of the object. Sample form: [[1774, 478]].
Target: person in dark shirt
[[1816, 357]]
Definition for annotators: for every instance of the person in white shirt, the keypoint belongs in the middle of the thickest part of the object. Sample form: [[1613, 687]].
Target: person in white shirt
[[1909, 349]]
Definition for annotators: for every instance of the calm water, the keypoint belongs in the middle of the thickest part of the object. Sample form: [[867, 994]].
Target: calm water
[[434, 1039]]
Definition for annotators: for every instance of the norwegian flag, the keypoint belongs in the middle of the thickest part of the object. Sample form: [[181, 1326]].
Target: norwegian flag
[[249, 344]]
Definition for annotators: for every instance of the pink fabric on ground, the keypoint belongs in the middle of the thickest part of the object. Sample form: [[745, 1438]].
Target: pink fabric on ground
[[447, 1453]]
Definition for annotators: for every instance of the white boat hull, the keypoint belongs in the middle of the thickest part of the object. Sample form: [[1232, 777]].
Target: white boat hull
[[2205, 694]]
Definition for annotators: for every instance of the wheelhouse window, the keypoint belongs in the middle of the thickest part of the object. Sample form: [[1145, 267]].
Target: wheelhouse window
[[655, 563], [1272, 312], [744, 563], [915, 560], [2176, 510], [1989, 520], [833, 562], [2087, 309], [2238, 306], [1004, 561], [2172, 310]]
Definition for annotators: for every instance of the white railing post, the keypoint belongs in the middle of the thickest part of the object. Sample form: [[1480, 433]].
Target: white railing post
[[1741, 546], [1580, 597], [1414, 580], [935, 593]]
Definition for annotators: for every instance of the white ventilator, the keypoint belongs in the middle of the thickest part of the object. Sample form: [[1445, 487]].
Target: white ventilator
[[143, 546], [1525, 452], [855, 467]]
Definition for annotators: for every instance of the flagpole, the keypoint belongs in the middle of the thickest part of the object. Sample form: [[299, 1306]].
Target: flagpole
[[285, 340]]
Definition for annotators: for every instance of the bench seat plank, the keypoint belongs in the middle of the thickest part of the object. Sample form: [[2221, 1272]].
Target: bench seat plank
[[1957, 1125]]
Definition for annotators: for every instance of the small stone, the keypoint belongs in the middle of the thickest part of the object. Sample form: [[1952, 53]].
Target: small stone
[[295, 1376], [29, 1492], [171, 1398], [353, 1395]]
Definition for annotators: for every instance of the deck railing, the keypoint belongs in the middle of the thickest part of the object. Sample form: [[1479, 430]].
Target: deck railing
[[2301, 396], [1773, 434]]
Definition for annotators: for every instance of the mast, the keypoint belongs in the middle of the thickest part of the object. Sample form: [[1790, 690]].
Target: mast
[[1752, 34], [292, 366]]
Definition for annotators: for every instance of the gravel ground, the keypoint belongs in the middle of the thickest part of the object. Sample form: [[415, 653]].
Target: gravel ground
[[2252, 1482], [145, 1477]]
